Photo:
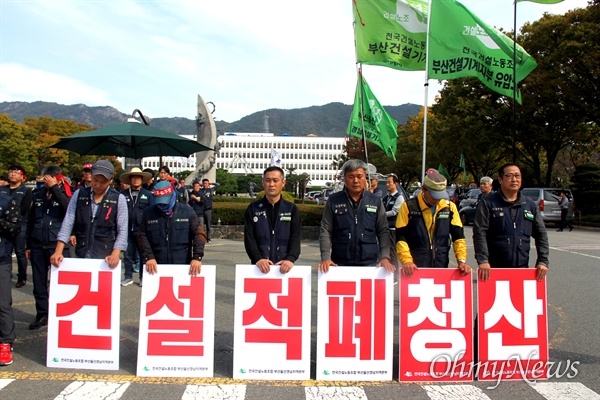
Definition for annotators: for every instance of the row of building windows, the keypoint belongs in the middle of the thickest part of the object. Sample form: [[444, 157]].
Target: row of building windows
[[280, 145], [286, 156]]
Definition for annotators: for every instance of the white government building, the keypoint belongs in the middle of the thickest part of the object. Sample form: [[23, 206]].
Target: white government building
[[250, 153]]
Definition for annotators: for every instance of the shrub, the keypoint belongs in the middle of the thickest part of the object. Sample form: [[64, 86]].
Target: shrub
[[232, 213]]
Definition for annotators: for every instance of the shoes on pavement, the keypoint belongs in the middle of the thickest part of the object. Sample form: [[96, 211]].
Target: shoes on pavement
[[208, 241], [6, 357], [140, 283], [570, 229], [21, 283], [38, 323], [136, 269], [126, 282], [559, 230]]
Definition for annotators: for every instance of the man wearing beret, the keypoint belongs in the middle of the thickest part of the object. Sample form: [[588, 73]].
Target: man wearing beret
[[98, 218], [424, 227], [169, 232]]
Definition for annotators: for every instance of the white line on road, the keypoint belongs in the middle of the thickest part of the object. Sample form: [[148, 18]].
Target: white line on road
[[93, 391], [565, 391], [4, 382], [450, 392], [333, 393], [574, 252], [209, 392]]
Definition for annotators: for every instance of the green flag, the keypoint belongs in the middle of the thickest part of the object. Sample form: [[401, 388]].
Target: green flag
[[463, 166], [444, 172], [461, 45], [391, 33], [379, 127], [542, 1]]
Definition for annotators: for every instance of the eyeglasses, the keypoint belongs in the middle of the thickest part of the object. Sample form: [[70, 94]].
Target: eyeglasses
[[510, 176]]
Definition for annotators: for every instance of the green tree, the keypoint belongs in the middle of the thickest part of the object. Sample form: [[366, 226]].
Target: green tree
[[43, 133], [472, 120], [560, 106], [243, 182], [15, 146], [227, 182]]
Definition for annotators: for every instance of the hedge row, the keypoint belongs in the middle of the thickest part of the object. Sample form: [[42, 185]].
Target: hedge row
[[233, 213]]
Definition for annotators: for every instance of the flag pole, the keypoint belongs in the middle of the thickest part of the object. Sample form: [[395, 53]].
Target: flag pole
[[426, 96], [362, 116], [362, 95], [514, 102]]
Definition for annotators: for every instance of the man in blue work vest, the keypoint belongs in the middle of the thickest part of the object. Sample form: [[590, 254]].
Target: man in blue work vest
[[354, 228], [273, 226], [98, 219]]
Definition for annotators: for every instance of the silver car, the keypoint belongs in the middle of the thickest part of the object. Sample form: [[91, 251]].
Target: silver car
[[547, 201]]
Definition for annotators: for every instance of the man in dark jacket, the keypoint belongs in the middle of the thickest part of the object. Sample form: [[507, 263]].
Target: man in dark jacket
[[206, 195], [196, 202], [169, 232], [23, 196], [10, 226], [505, 222], [50, 205], [138, 199], [272, 226], [354, 228]]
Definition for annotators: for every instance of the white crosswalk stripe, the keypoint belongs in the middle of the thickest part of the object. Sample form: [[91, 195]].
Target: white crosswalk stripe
[[93, 391], [451, 392], [334, 393], [4, 382], [216, 392], [565, 391]]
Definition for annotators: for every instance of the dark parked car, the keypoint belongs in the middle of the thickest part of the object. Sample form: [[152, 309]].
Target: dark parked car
[[471, 198], [467, 214]]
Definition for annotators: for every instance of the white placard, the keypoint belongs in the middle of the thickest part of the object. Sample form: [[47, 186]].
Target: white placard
[[355, 324], [84, 315], [272, 323], [177, 323]]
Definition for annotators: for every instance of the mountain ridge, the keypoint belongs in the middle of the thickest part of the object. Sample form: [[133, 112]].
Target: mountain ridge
[[329, 120]]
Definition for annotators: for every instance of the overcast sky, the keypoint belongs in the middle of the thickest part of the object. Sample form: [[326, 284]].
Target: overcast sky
[[242, 55]]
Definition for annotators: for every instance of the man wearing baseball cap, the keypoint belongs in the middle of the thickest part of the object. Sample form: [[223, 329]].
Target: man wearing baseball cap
[[23, 196], [425, 224], [98, 218], [169, 232]]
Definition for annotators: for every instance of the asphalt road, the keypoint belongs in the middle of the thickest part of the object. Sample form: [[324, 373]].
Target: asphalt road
[[573, 315]]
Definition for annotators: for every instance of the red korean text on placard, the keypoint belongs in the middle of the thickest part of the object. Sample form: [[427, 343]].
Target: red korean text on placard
[[187, 320], [101, 299], [284, 330], [436, 334], [513, 331], [347, 301]]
